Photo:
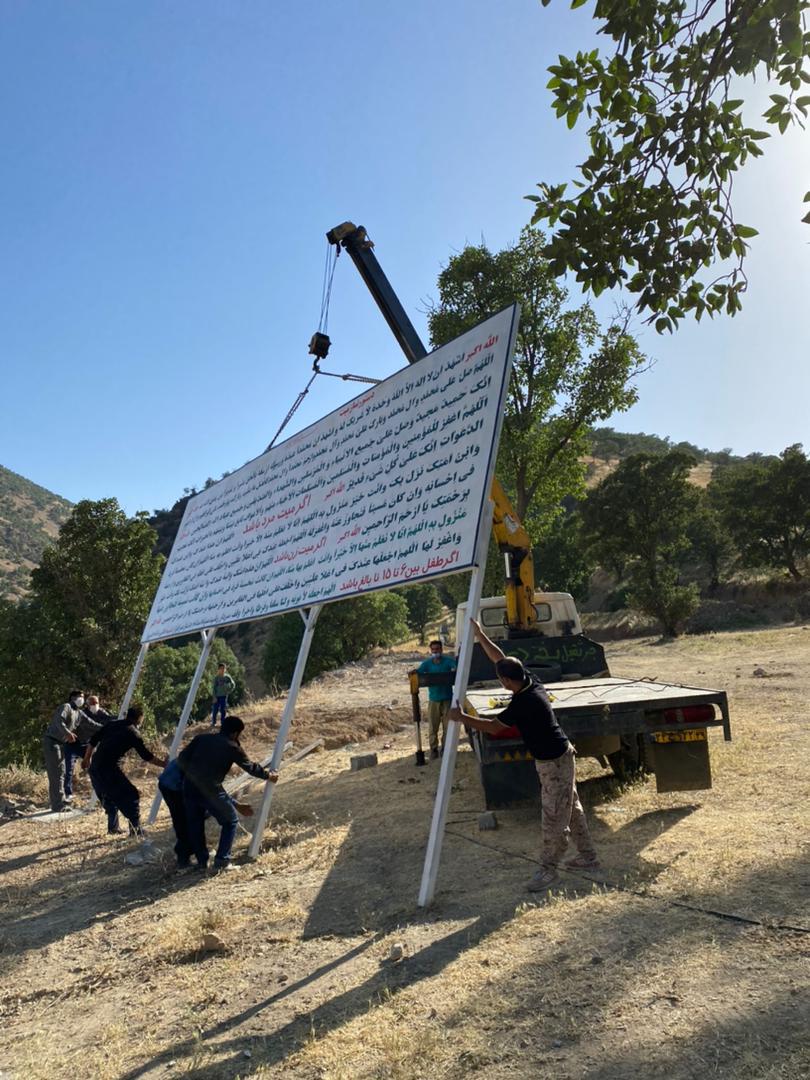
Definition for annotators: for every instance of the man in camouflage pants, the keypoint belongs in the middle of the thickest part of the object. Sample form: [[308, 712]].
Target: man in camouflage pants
[[531, 713]]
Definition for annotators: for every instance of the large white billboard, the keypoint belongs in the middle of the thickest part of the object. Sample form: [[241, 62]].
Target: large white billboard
[[386, 490]]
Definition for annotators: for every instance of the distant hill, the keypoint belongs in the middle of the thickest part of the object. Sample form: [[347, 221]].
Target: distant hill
[[607, 443], [30, 518], [610, 447]]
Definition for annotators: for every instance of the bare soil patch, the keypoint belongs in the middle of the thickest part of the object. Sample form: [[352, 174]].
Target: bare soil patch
[[681, 964]]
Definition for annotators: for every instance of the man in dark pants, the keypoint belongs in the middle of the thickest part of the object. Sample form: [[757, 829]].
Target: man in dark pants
[[170, 784], [61, 733], [91, 719], [106, 748], [205, 763]]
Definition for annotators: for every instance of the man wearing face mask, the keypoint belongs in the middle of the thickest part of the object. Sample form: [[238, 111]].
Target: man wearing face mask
[[61, 733], [92, 718]]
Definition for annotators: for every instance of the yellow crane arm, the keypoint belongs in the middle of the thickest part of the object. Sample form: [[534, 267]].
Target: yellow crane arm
[[515, 544]]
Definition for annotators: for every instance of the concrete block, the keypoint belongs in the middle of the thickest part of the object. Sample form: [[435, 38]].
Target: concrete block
[[363, 761]]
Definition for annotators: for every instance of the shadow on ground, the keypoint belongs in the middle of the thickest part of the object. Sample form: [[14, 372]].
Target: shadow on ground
[[370, 890]]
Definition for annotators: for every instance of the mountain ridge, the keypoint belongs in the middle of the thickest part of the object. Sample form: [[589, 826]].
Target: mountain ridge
[[30, 518]]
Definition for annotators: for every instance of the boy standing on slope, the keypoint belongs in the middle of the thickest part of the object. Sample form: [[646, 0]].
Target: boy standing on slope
[[223, 685]]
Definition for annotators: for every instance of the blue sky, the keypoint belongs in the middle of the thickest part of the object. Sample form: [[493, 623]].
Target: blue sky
[[170, 171]]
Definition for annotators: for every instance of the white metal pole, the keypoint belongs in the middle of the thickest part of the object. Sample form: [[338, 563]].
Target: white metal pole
[[430, 870], [286, 719], [122, 712], [136, 672], [208, 640]]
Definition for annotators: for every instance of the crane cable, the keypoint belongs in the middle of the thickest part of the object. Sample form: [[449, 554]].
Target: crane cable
[[332, 252]]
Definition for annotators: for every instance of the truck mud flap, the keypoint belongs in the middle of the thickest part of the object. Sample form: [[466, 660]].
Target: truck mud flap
[[509, 783], [680, 760]]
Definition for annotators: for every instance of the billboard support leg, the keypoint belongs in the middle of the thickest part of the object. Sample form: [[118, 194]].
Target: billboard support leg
[[286, 719], [207, 640], [433, 855]]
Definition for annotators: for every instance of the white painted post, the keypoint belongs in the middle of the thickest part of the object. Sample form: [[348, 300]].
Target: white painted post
[[208, 640], [286, 719], [136, 672], [433, 855], [122, 712]]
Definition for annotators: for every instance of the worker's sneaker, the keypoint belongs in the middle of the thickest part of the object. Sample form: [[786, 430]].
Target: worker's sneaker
[[582, 862], [543, 880], [224, 867]]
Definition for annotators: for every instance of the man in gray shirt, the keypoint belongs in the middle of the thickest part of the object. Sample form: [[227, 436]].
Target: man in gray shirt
[[93, 717], [59, 734]]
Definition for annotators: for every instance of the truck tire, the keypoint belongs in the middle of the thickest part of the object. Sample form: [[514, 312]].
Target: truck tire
[[630, 759], [546, 673]]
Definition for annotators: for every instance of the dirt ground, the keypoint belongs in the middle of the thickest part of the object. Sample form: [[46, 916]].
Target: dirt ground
[[690, 960]]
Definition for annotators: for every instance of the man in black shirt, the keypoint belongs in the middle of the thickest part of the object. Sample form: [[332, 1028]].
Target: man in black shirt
[[205, 763], [105, 749], [531, 713]]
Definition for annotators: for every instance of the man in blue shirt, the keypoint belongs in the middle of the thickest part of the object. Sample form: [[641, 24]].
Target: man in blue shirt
[[439, 697]]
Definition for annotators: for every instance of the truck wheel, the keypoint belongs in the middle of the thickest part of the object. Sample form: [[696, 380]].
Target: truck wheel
[[629, 760], [546, 673]]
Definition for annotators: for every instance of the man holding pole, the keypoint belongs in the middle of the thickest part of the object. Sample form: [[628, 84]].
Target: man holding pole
[[531, 713], [205, 763], [105, 751]]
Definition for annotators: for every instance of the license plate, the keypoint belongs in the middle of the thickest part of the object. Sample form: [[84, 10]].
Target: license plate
[[691, 735]]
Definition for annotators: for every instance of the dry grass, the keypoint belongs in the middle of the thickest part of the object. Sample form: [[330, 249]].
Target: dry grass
[[633, 978], [25, 782]]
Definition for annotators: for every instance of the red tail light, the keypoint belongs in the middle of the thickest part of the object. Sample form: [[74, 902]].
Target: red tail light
[[691, 715]]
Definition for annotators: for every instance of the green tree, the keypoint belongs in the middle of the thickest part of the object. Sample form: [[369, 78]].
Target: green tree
[[710, 540], [562, 560], [567, 372], [765, 505], [23, 704], [667, 135], [167, 676], [345, 631], [94, 588], [424, 606], [637, 520], [82, 621]]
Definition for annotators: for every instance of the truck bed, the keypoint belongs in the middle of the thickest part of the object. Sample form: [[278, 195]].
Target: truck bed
[[612, 705]]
